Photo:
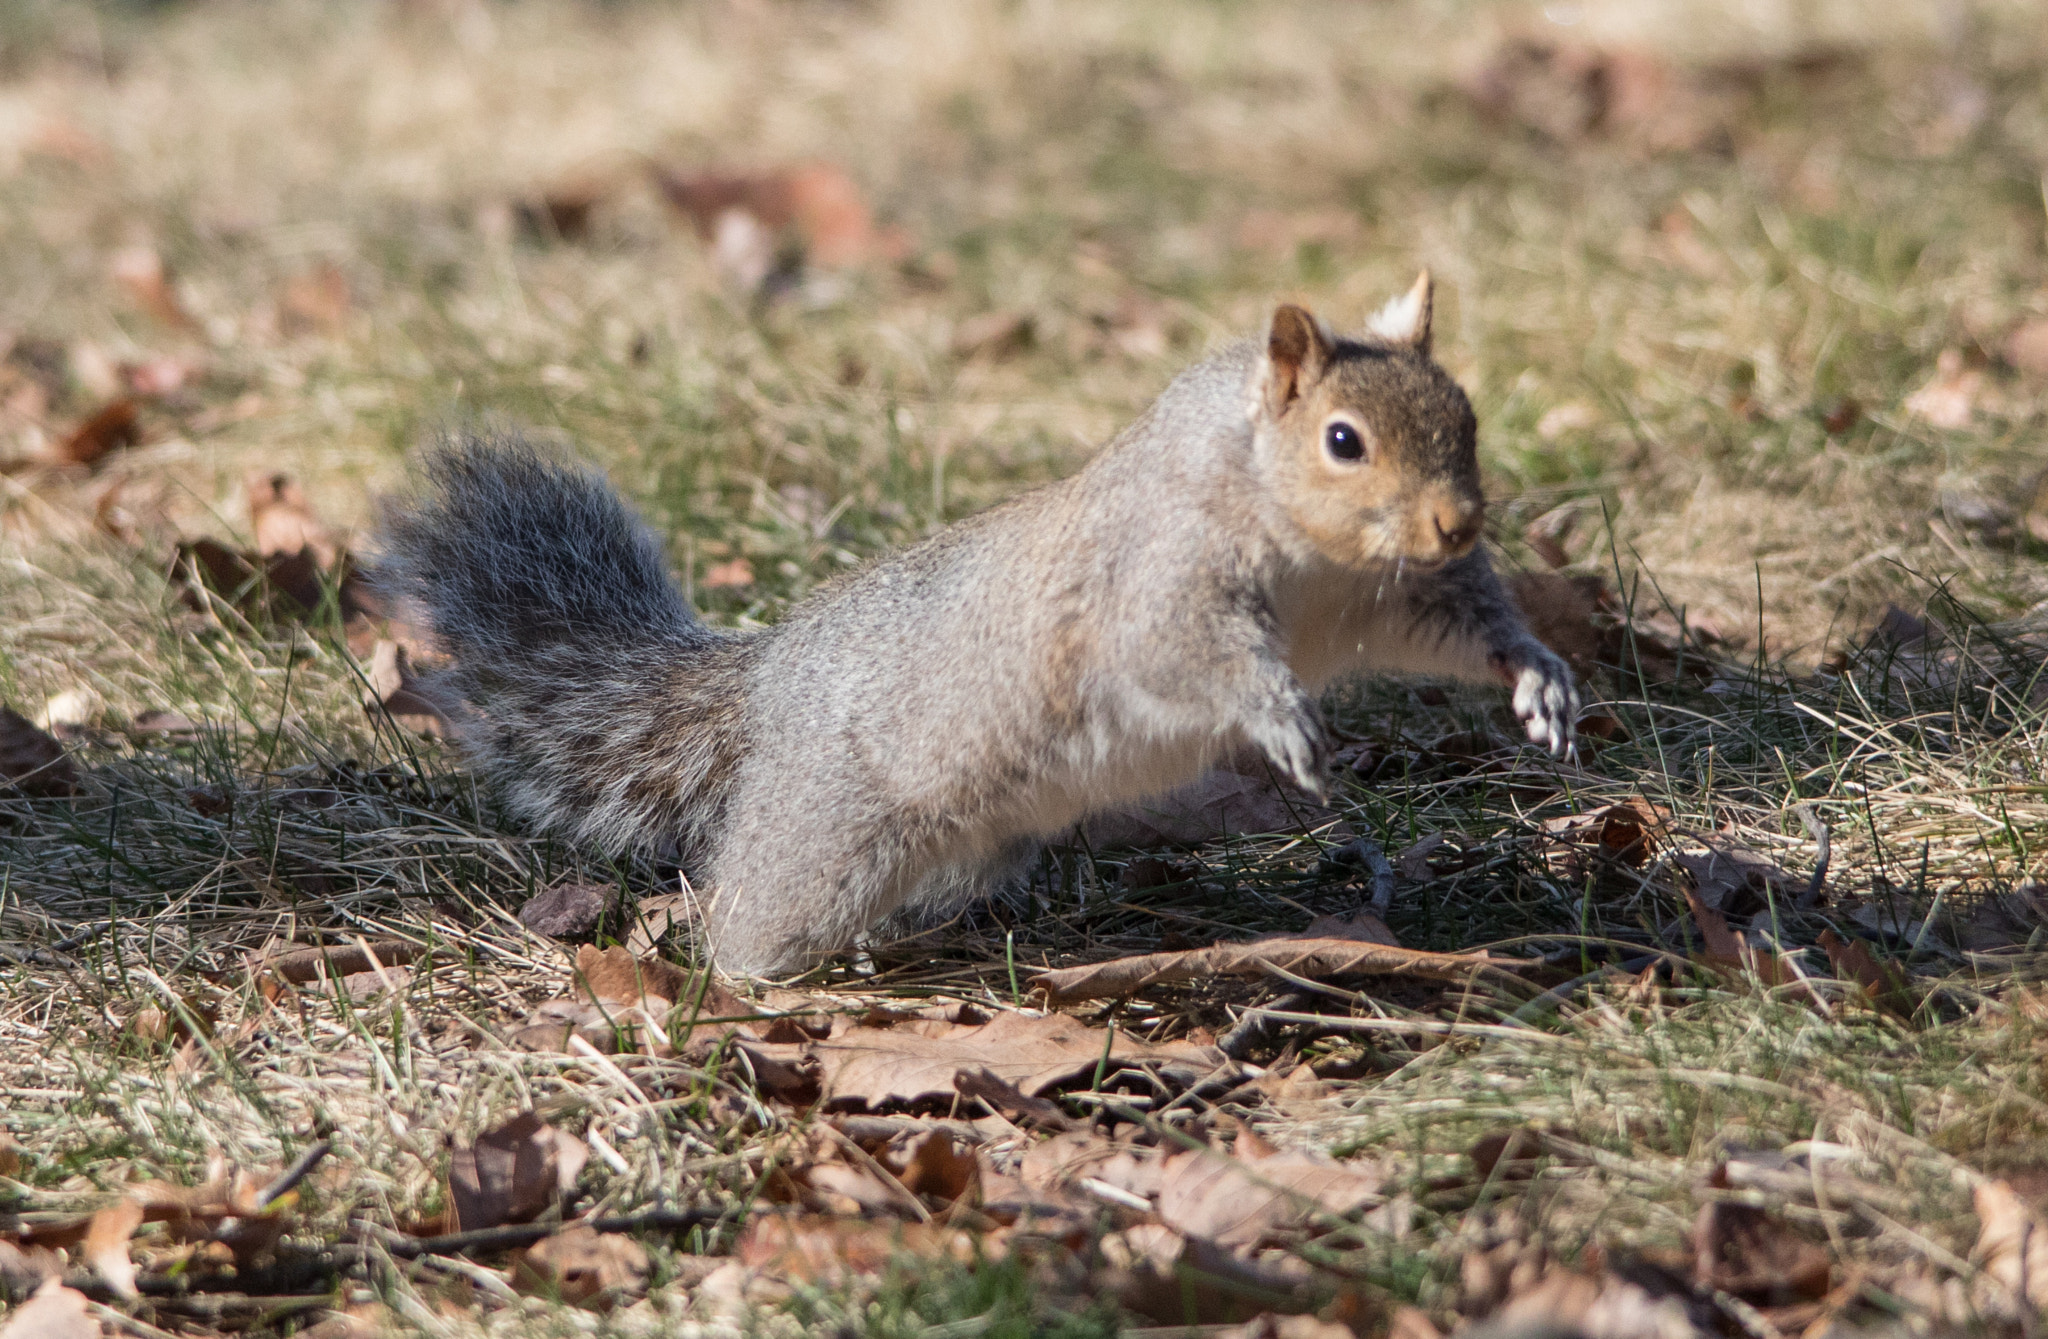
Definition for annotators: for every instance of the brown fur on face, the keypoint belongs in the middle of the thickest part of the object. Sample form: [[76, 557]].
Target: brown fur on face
[[1415, 494]]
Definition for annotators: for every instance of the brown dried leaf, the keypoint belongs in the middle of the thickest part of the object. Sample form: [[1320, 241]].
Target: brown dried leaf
[[1852, 960], [2026, 348], [571, 910], [112, 426], [512, 1173], [281, 586], [614, 976], [1304, 957], [1742, 1249], [929, 1164], [1949, 400], [869, 1066], [1242, 1205], [106, 1245], [141, 272], [583, 1267], [53, 1312], [299, 966], [991, 1091], [829, 1251], [31, 761], [2012, 1243], [315, 300], [994, 335], [395, 689], [1733, 879], [1561, 611], [654, 918], [727, 575], [283, 521]]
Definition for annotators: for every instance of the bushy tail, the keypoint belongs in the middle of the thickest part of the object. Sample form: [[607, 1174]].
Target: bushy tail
[[511, 551], [604, 709]]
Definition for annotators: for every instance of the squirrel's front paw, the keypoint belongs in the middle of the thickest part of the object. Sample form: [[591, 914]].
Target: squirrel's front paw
[[1299, 747], [1545, 698]]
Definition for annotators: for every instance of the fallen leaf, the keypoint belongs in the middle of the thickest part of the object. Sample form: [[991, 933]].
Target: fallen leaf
[[314, 301], [1562, 612], [817, 204], [1228, 801], [989, 1089], [571, 910], [1734, 880], [393, 687], [994, 335], [1561, 420], [1627, 831], [31, 761], [1744, 1250], [513, 1173], [929, 1165], [583, 1267], [2026, 348], [282, 520], [830, 1251], [106, 1245], [154, 378], [141, 272], [1305, 957], [1852, 960], [654, 918], [1360, 927], [298, 966], [2012, 1243], [870, 1066], [1413, 860], [732, 573], [1949, 399], [52, 1312], [614, 975], [1243, 1205], [206, 572], [113, 426]]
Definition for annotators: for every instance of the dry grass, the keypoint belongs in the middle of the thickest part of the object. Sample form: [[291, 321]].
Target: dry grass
[[1654, 337]]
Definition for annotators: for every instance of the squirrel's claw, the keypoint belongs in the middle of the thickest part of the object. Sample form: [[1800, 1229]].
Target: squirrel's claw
[[1546, 701]]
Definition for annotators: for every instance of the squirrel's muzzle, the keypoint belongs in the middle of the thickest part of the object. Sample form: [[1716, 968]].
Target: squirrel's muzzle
[[1447, 527]]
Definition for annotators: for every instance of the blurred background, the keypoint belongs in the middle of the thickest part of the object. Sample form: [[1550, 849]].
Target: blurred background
[[1749, 295]]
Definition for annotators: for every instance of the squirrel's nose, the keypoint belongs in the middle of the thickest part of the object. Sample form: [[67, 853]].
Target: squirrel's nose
[[1457, 526]]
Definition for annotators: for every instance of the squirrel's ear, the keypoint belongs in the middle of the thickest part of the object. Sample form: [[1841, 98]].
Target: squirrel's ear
[[1405, 320], [1297, 350]]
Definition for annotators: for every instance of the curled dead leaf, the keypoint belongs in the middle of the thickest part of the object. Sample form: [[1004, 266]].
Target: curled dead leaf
[[31, 762], [1313, 958], [512, 1173], [141, 272], [583, 1267], [53, 1312], [111, 427], [393, 688]]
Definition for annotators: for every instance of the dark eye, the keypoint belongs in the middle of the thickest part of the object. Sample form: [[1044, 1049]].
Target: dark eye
[[1342, 441]]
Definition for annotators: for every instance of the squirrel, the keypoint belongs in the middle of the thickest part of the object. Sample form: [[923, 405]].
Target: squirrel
[[1288, 512]]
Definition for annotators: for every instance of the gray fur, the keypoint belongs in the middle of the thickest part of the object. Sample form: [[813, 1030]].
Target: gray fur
[[907, 733]]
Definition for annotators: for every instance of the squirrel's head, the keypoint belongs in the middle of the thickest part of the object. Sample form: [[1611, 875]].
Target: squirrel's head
[[1366, 442]]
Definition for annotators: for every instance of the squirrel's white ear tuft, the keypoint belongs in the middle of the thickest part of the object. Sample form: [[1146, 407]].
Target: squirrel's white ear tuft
[[1298, 348], [1405, 320]]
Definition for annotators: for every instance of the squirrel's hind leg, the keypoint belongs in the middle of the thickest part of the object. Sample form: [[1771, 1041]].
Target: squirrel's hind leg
[[788, 891]]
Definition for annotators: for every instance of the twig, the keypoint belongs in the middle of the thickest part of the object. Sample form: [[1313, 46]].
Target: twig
[[1252, 1026], [292, 1175], [1817, 830], [525, 1234]]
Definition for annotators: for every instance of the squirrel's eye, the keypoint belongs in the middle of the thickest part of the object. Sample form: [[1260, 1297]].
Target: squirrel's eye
[[1343, 442]]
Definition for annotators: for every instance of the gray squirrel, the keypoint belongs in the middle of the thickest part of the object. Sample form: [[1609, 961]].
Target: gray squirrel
[[1288, 512]]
